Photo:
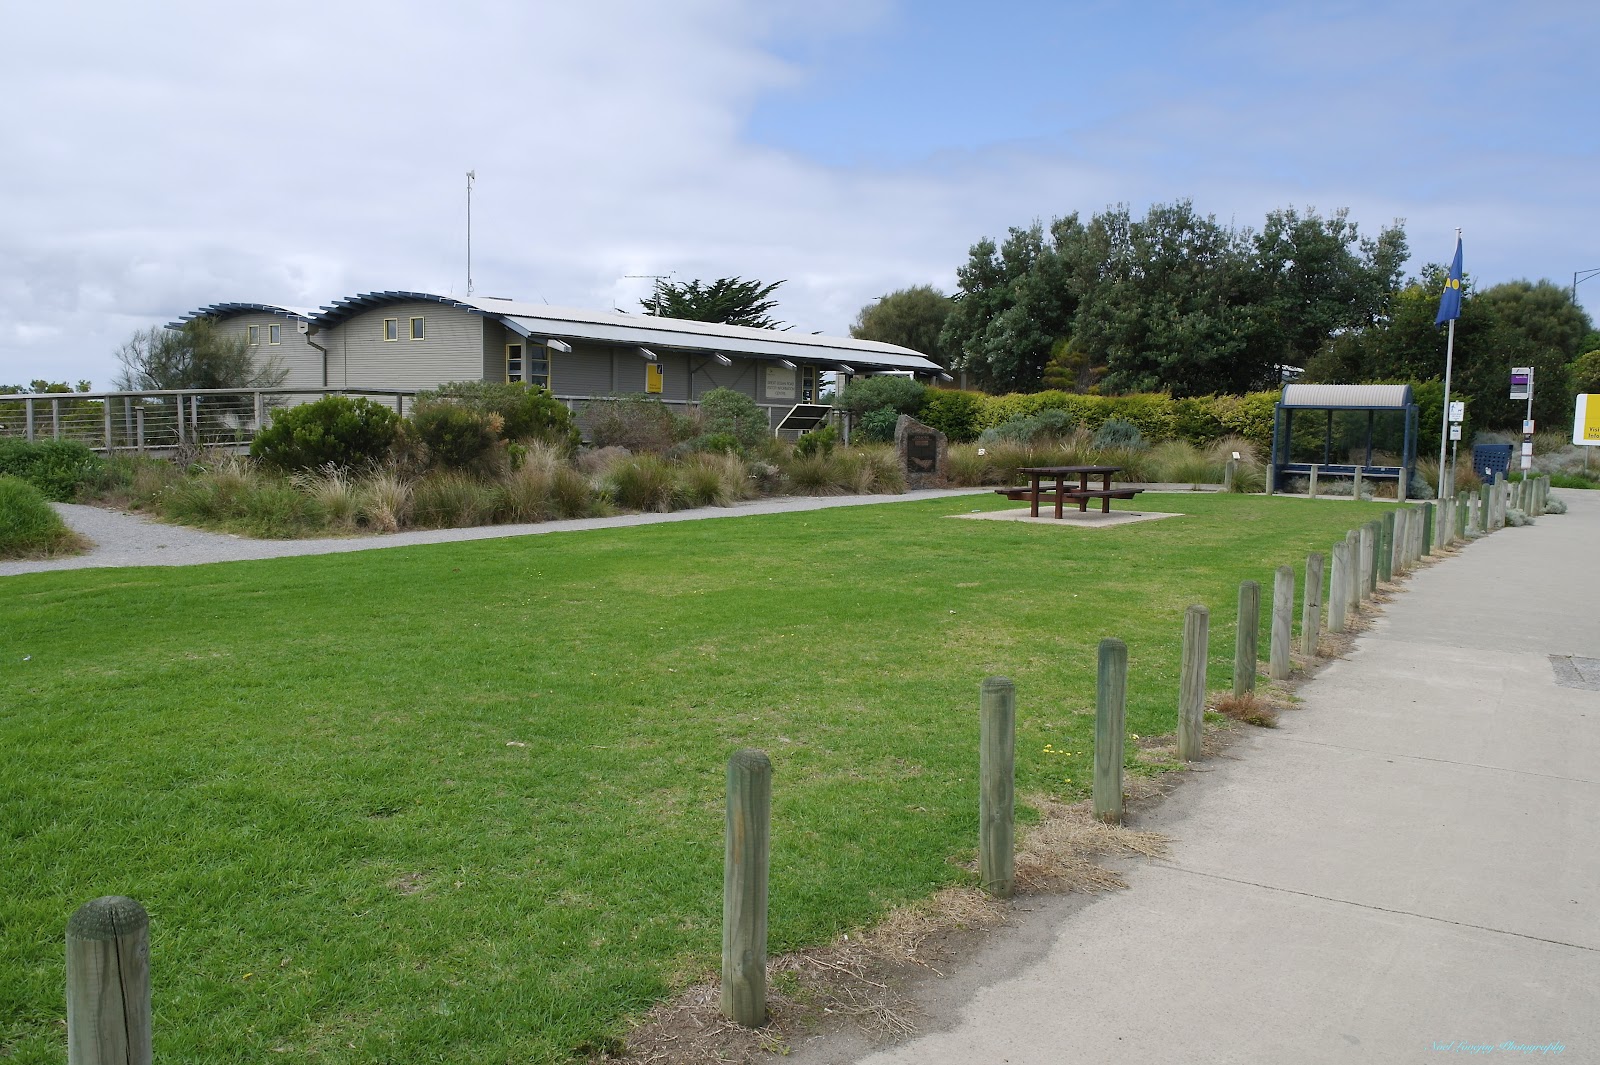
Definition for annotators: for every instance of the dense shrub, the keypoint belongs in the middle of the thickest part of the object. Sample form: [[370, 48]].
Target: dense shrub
[[57, 468], [457, 437], [865, 394], [637, 422], [234, 496], [877, 426], [1027, 429], [953, 413], [820, 441], [28, 524], [526, 412], [1118, 433], [722, 410], [335, 429]]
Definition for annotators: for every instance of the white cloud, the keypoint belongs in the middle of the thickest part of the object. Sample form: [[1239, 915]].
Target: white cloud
[[165, 156]]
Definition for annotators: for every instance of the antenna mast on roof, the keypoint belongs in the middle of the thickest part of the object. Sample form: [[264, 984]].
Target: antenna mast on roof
[[471, 176]]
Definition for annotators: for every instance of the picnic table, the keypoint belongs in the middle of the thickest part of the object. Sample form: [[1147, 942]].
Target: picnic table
[[1061, 491]]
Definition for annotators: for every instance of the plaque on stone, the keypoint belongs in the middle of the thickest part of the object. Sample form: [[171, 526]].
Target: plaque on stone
[[924, 453]]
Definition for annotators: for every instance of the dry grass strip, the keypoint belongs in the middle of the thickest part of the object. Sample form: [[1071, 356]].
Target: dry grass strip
[[861, 978]]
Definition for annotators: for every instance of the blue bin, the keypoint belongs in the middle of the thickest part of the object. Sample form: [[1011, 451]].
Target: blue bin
[[1491, 461]]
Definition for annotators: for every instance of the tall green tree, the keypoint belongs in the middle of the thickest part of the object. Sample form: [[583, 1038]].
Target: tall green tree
[[1015, 303], [910, 317], [199, 355], [729, 300]]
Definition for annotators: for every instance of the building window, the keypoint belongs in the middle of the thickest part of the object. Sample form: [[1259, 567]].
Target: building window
[[513, 364], [254, 332], [417, 332], [274, 333], [391, 329], [808, 384], [538, 365]]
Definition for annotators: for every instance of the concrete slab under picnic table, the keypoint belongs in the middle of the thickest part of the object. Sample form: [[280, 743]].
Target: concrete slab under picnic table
[[1081, 519]]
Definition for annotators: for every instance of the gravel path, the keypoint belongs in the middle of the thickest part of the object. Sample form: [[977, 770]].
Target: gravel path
[[134, 540]]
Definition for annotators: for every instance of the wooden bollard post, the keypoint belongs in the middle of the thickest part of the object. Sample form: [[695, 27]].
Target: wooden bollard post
[[1426, 542], [1355, 489], [1279, 664], [1230, 470], [1338, 589], [1371, 562], [744, 889], [108, 983], [1463, 513], [1246, 638], [997, 785], [1110, 728], [1386, 549], [1192, 683], [1311, 606], [1312, 491], [1352, 584], [1402, 532], [1362, 563]]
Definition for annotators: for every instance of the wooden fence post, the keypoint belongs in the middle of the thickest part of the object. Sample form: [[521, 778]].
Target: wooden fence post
[[1355, 489], [1279, 664], [1311, 606], [1425, 547], [1110, 727], [1229, 470], [744, 888], [1362, 564], [1386, 549], [997, 777], [108, 983], [1312, 491], [1352, 581], [1402, 536], [1192, 684], [1246, 638], [1339, 590]]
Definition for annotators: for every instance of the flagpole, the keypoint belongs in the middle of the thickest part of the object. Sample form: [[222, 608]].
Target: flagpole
[[1444, 430]]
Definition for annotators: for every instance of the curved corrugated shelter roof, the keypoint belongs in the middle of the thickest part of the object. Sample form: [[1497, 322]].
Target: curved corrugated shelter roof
[[225, 310], [1348, 397]]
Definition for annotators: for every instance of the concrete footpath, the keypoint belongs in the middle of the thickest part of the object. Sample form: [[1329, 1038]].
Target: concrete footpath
[[1407, 870]]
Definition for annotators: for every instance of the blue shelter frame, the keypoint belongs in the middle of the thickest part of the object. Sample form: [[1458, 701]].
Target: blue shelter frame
[[1347, 441]]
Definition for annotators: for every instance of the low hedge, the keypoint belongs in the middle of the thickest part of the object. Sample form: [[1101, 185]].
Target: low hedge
[[1198, 420], [58, 468]]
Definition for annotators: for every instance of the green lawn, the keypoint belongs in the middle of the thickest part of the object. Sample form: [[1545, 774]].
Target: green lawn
[[464, 802]]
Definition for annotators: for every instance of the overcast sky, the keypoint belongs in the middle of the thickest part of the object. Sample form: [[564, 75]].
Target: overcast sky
[[156, 157]]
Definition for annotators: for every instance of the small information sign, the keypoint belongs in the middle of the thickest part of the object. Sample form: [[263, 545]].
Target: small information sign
[[1527, 450], [1521, 379], [1586, 421], [1455, 431], [1527, 428], [1458, 411], [1527, 462]]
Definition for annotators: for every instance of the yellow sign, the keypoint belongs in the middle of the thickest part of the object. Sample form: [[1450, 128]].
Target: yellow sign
[[653, 378], [1586, 422]]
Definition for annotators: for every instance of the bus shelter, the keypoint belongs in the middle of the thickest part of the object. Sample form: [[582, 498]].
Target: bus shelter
[[1366, 431]]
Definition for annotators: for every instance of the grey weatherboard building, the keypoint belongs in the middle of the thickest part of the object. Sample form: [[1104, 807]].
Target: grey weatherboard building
[[410, 341]]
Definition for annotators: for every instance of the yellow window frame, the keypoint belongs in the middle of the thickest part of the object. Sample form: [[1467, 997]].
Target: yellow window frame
[[391, 330], [274, 334], [253, 335], [419, 327]]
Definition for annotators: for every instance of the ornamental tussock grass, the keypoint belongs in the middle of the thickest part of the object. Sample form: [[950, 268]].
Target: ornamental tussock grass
[[232, 494], [452, 499], [641, 482], [29, 526], [870, 471], [384, 500], [713, 480], [332, 489], [1250, 708]]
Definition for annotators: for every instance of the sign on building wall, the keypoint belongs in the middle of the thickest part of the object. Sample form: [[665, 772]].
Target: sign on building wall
[[1586, 424], [654, 378], [780, 383]]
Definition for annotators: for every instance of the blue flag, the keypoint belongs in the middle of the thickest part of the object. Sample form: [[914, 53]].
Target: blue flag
[[1450, 302]]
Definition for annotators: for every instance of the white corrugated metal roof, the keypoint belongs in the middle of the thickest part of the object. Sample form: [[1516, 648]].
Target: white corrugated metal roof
[[1348, 397], [614, 328]]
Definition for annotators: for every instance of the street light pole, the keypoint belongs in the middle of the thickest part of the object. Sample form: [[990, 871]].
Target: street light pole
[[1581, 275]]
